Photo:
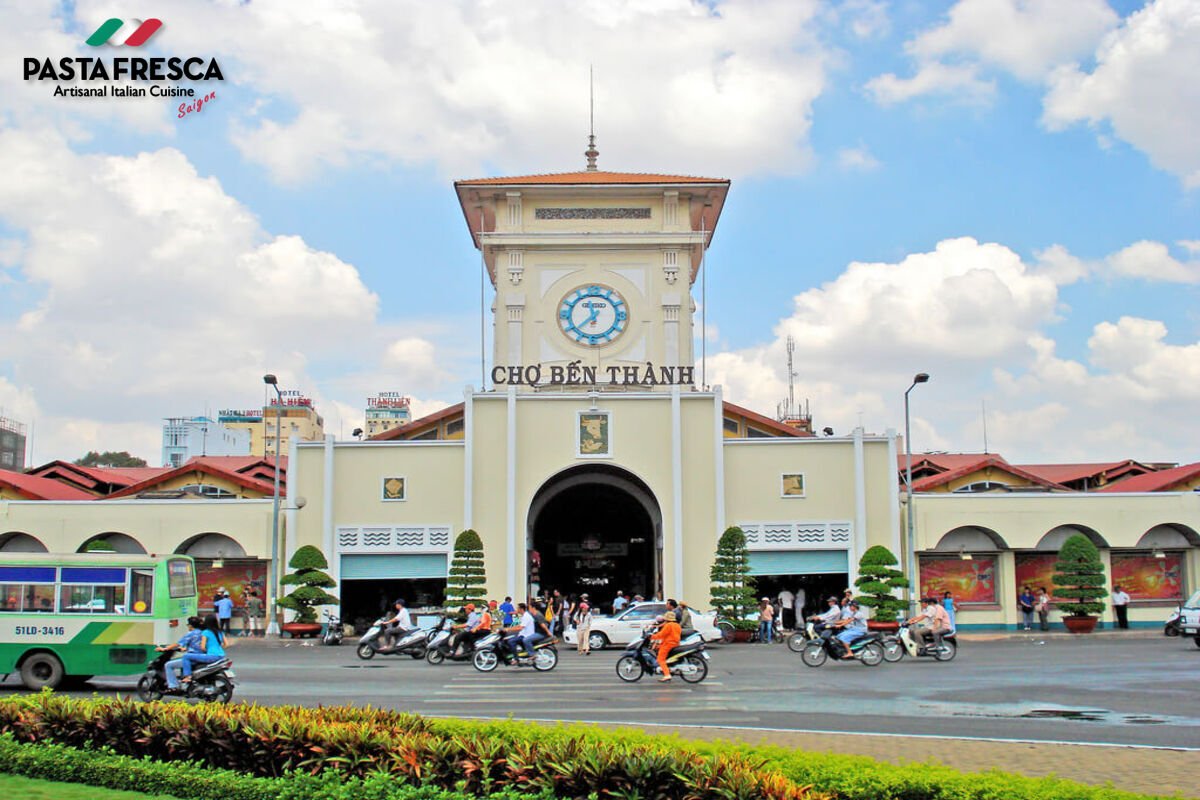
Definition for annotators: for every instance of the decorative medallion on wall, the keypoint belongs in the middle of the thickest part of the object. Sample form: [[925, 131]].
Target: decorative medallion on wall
[[792, 484], [394, 488], [594, 432]]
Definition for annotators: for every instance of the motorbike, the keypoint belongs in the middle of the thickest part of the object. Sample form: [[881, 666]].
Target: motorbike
[[868, 650], [912, 647], [688, 660], [211, 683], [1171, 628], [438, 648], [333, 629], [411, 643], [797, 640], [490, 652]]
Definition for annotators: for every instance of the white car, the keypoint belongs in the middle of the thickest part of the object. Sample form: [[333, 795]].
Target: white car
[[626, 626]]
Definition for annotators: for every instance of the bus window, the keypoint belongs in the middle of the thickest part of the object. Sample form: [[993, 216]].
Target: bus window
[[90, 599], [10, 596], [181, 580], [39, 599], [141, 594]]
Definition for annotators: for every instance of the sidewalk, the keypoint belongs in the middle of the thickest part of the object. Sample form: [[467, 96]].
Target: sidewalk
[[1060, 633], [1143, 770]]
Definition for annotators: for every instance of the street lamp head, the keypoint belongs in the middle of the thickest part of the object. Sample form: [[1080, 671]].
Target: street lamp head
[[270, 379], [921, 377]]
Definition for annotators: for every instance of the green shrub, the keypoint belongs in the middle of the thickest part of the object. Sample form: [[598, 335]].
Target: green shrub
[[310, 581], [1079, 574], [877, 580], [733, 596], [467, 575]]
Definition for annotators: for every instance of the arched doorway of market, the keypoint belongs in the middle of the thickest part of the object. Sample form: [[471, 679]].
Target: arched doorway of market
[[595, 528]]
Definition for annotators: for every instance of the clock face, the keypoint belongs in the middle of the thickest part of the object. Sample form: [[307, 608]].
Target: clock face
[[593, 315]]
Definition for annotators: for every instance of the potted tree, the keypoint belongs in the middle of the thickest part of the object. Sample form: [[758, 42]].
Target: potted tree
[[311, 581], [1079, 580], [877, 579], [467, 575], [732, 592]]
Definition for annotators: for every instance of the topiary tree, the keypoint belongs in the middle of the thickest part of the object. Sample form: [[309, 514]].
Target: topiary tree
[[877, 579], [99, 546], [467, 575], [1079, 574], [311, 581], [733, 596]]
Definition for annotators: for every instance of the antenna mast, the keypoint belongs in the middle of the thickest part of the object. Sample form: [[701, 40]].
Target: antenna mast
[[591, 152]]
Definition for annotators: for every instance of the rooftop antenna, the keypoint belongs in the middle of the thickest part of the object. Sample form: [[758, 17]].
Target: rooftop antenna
[[591, 152], [983, 408], [791, 348]]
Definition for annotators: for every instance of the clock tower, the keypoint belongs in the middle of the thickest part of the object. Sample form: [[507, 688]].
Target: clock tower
[[593, 273]]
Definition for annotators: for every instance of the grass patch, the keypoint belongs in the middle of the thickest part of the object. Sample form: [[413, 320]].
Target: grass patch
[[15, 786]]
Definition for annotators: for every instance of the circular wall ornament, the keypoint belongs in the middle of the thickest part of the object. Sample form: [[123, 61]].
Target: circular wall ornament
[[593, 315]]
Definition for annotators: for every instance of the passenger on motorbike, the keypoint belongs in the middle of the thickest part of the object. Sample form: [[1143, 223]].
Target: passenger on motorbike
[[189, 643], [458, 631], [481, 626], [667, 638], [853, 627], [933, 621], [396, 625], [532, 629]]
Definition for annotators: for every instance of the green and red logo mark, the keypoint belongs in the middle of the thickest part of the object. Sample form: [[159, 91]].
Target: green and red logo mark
[[136, 32]]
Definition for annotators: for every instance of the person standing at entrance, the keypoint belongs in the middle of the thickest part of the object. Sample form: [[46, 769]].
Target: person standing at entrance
[[788, 618], [507, 609], [1120, 601], [798, 605], [254, 613], [224, 608], [766, 614], [619, 602], [583, 628], [1025, 603], [1043, 607]]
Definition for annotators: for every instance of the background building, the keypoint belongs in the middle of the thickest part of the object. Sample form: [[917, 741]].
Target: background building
[[298, 419], [12, 444], [187, 437], [386, 411]]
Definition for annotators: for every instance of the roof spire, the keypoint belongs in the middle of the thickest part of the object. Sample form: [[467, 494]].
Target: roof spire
[[591, 152]]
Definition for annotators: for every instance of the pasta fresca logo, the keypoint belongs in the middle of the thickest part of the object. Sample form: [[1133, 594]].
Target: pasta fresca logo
[[125, 33]]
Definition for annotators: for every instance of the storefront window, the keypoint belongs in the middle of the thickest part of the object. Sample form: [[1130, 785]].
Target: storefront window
[[969, 581]]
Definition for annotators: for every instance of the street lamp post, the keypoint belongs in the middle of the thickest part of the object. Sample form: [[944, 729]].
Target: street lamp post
[[920, 377], [273, 625]]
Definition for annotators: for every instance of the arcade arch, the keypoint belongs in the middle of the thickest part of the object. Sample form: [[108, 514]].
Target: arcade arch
[[20, 542], [121, 542]]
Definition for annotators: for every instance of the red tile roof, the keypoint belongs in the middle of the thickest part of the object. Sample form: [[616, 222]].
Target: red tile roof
[[226, 467], [994, 461], [33, 487], [774, 426], [598, 177], [419, 425], [1066, 473], [1165, 480], [945, 461]]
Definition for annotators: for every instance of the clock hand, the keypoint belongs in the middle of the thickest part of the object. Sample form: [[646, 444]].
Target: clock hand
[[595, 315]]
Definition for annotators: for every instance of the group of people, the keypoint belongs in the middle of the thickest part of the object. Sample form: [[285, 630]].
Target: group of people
[[252, 612], [203, 643]]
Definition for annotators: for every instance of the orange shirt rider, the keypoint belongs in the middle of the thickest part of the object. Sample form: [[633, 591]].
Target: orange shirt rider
[[667, 638]]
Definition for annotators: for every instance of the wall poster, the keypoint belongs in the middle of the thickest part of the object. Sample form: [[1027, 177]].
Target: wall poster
[[1145, 577], [1034, 570], [969, 580]]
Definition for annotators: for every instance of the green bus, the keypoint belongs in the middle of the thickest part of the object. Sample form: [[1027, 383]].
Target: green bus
[[70, 617]]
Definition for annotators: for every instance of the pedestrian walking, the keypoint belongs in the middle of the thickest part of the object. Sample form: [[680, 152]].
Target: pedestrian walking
[[224, 608], [583, 628], [619, 602], [1120, 601], [1043, 608], [1025, 604], [951, 608], [508, 609], [766, 614]]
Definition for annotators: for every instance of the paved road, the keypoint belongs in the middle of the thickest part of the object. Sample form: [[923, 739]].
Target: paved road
[[1139, 690]]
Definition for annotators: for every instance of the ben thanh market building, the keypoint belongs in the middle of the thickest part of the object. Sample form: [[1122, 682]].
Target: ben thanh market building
[[598, 459]]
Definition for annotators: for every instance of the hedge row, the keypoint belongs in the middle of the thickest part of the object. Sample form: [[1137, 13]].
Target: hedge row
[[55, 762], [357, 743], [844, 777]]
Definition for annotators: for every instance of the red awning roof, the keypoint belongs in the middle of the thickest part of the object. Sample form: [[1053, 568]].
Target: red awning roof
[[226, 467], [996, 462], [33, 487]]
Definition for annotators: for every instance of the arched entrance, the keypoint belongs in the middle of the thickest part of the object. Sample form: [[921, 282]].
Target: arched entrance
[[595, 528]]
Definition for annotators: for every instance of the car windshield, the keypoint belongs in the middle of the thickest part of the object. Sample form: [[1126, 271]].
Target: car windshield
[[1193, 601]]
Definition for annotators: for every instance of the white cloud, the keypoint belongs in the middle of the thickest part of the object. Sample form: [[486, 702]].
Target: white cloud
[[467, 84], [1024, 37], [858, 159], [975, 316], [866, 19], [1152, 261], [160, 294], [1143, 86]]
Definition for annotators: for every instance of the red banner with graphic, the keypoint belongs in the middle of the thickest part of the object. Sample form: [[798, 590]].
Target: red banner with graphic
[[1034, 570], [969, 581], [1145, 577], [238, 577]]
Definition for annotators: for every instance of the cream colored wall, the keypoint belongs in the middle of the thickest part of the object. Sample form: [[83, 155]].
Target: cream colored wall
[[161, 526], [1021, 520]]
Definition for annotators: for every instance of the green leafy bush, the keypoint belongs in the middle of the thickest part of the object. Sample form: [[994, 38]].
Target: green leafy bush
[[311, 581], [1079, 576], [732, 592], [877, 580], [467, 576]]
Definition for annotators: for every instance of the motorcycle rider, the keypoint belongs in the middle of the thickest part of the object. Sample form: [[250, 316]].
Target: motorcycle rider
[[189, 643], [826, 620], [853, 627], [481, 626], [933, 621], [395, 626], [460, 630], [667, 638], [683, 614]]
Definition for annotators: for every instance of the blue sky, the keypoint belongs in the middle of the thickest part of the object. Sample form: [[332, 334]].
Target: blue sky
[[1014, 182]]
